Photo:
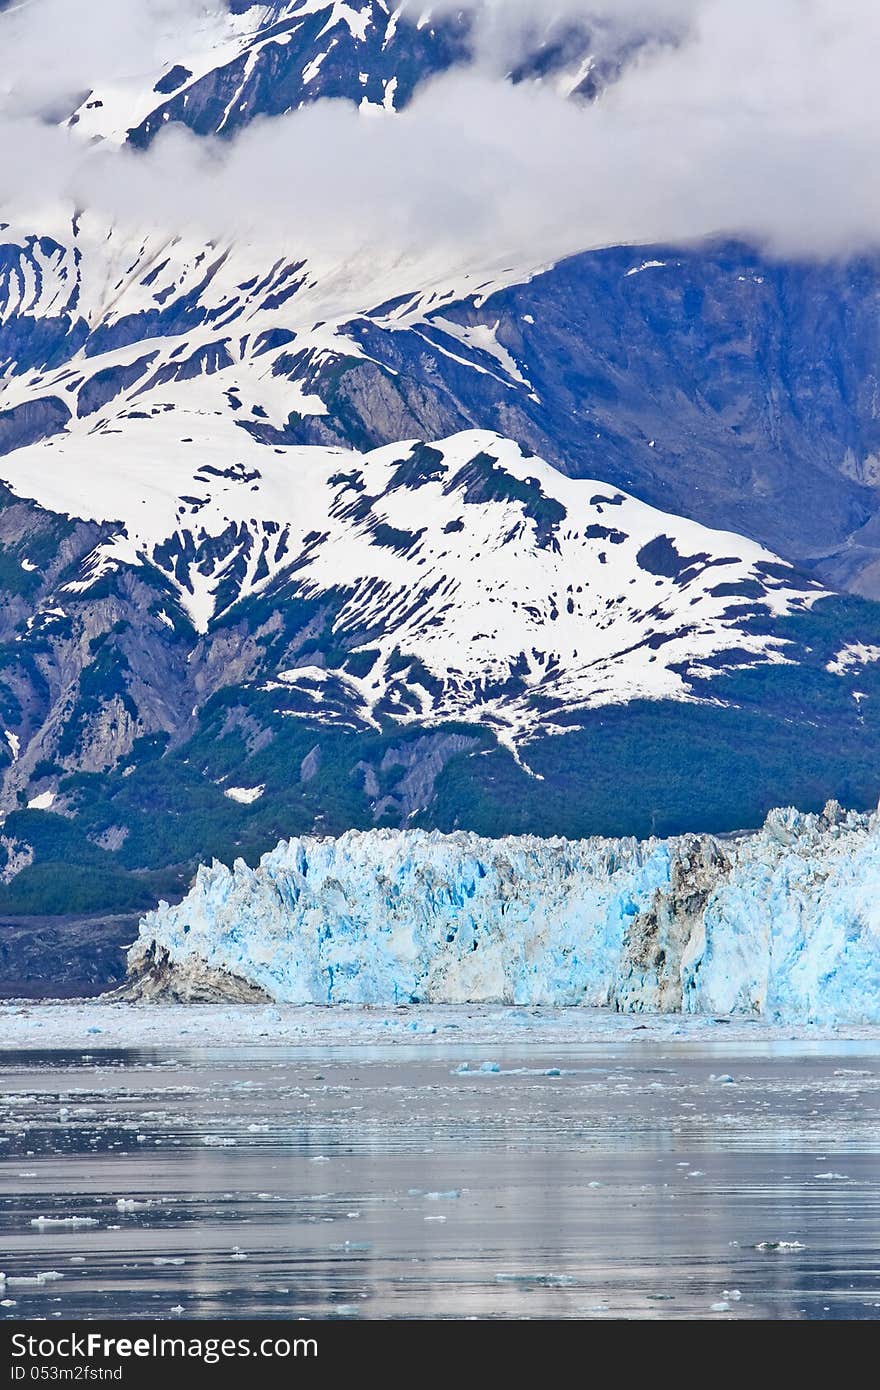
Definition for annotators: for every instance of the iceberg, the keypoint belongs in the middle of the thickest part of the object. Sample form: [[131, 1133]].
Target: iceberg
[[783, 922]]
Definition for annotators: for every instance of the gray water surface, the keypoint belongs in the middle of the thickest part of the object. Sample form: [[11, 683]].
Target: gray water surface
[[588, 1182]]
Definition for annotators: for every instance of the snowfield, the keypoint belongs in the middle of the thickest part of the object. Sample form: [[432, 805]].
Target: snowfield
[[487, 568]]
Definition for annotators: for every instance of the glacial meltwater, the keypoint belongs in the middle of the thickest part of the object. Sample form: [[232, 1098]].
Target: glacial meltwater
[[645, 1179]]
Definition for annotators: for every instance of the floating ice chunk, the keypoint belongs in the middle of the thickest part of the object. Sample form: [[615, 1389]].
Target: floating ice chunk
[[722, 1307], [725, 1079], [840, 1176], [48, 1276], [490, 1067], [779, 1247], [41, 1221], [545, 1280], [443, 1196], [169, 1260]]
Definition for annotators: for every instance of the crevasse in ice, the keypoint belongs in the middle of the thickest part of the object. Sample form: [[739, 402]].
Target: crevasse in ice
[[784, 922]]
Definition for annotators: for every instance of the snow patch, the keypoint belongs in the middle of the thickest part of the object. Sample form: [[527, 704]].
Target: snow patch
[[245, 795], [646, 265], [853, 657]]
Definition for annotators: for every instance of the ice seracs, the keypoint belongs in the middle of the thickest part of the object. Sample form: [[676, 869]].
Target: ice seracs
[[783, 923]]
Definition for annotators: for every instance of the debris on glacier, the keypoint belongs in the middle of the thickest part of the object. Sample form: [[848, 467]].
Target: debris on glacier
[[782, 923]]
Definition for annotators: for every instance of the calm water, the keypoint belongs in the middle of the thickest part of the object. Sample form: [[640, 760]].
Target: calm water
[[387, 1184]]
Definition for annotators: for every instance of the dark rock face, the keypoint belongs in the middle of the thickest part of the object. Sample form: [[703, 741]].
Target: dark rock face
[[718, 385], [63, 957], [30, 422]]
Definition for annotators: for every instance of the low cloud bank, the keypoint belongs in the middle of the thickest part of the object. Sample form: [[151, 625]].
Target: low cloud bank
[[749, 120]]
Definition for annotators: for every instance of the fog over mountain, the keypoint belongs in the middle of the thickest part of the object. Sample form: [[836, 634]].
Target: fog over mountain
[[736, 118]]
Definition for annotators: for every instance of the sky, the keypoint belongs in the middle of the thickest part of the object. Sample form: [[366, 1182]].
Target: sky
[[754, 119]]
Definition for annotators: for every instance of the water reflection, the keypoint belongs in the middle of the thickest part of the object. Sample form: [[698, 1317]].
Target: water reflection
[[618, 1180]]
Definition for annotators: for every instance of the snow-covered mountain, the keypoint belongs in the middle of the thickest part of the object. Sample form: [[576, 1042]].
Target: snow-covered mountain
[[782, 923], [226, 67], [473, 582], [305, 533]]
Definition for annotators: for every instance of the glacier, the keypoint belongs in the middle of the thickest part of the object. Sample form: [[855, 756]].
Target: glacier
[[782, 923]]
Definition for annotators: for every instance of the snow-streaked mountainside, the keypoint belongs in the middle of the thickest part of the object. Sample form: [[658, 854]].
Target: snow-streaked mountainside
[[303, 538], [783, 923], [226, 68], [476, 583]]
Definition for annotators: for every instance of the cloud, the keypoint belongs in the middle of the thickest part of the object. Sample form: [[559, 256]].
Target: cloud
[[505, 31], [55, 50], [758, 121]]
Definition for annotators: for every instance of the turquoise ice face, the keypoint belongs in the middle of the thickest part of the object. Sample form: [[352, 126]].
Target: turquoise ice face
[[782, 923]]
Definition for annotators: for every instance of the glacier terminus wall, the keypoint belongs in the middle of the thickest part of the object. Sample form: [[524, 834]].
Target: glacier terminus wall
[[782, 923]]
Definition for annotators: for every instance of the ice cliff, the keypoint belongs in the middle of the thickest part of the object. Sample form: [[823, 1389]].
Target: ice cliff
[[783, 922]]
